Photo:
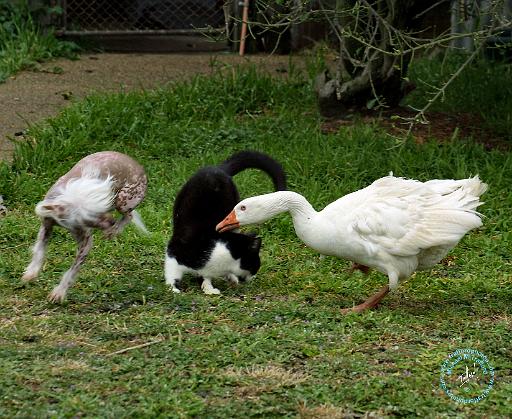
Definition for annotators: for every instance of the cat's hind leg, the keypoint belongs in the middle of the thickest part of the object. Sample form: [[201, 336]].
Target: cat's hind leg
[[208, 288], [173, 273]]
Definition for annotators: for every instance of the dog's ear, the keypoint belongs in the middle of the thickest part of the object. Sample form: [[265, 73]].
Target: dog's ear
[[255, 244]]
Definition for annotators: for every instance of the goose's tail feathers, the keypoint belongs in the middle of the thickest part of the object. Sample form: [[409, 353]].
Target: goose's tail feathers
[[471, 186], [464, 193]]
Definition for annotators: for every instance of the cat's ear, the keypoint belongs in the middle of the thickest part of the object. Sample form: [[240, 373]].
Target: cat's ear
[[255, 244]]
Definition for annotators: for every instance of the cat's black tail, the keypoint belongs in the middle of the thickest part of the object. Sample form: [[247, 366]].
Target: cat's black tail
[[256, 160]]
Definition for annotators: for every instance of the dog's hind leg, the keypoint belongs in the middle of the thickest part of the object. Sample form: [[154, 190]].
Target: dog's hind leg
[[84, 240], [127, 199], [39, 250]]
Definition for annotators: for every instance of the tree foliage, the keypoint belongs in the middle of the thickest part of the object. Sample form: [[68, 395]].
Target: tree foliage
[[375, 41]]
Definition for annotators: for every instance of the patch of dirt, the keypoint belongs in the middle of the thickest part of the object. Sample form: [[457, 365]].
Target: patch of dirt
[[441, 126], [31, 96]]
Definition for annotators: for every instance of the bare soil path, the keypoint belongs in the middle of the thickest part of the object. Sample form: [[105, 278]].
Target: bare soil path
[[31, 96]]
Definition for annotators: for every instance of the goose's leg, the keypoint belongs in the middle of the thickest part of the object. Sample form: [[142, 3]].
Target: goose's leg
[[369, 303], [358, 267]]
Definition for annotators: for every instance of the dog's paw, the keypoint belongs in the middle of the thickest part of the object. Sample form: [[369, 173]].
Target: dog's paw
[[58, 295], [29, 276]]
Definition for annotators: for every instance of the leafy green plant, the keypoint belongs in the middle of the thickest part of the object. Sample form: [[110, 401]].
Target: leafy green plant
[[23, 44]]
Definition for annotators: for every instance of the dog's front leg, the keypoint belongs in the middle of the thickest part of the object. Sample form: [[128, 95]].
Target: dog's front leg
[[103, 222], [39, 250], [84, 240], [119, 225]]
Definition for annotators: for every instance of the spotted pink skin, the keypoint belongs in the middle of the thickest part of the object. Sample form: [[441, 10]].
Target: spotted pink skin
[[130, 181]]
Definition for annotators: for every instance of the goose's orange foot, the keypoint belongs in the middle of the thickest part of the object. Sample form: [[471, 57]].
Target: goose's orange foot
[[355, 309], [371, 302]]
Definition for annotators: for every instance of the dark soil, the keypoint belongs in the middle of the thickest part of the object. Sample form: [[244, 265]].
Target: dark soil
[[441, 127]]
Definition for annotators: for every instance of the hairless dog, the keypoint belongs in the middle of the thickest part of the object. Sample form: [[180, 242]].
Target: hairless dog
[[83, 199]]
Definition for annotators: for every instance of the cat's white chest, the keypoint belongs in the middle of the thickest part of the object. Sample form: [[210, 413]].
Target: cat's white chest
[[220, 263]]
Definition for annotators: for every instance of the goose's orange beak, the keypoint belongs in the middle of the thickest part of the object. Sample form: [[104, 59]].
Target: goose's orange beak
[[228, 223]]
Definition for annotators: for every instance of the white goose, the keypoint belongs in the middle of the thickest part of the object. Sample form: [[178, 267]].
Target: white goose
[[395, 225]]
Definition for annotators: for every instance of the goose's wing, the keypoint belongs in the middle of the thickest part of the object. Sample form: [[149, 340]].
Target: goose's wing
[[402, 217]]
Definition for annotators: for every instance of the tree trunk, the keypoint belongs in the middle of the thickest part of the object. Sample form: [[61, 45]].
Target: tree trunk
[[369, 72]]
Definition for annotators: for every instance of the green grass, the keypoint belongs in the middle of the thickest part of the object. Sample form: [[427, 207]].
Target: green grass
[[275, 347], [23, 44]]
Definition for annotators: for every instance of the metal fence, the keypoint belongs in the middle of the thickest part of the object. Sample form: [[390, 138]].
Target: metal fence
[[106, 17]]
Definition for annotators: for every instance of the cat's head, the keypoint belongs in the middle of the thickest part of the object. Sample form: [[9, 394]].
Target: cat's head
[[250, 256]]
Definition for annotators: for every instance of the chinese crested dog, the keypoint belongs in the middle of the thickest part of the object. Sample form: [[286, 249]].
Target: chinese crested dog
[[83, 199]]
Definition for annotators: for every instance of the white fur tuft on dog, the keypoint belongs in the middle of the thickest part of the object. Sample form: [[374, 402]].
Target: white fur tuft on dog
[[79, 200]]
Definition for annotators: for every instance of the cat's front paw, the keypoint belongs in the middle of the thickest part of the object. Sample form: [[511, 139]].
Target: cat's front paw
[[208, 288], [211, 291], [174, 289], [232, 278]]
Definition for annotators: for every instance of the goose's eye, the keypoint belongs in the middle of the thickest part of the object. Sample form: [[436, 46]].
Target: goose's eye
[[242, 208]]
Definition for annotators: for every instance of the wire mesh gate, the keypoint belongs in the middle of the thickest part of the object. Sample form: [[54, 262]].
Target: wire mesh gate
[[105, 17]]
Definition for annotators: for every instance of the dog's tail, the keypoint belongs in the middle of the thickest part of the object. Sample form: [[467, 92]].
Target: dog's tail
[[137, 221], [256, 160]]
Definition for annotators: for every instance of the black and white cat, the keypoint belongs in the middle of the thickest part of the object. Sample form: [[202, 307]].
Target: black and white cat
[[204, 201]]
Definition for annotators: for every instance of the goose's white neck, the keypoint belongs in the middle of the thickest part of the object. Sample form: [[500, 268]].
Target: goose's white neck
[[309, 226], [286, 201]]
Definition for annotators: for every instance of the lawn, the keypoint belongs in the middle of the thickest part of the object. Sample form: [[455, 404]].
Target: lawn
[[123, 345]]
